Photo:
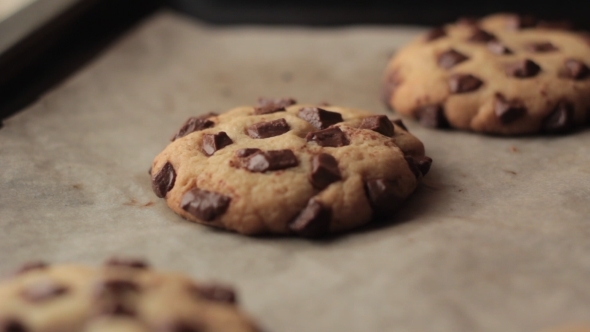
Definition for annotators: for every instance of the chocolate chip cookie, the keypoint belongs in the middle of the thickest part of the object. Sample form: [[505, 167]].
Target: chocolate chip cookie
[[283, 168], [504, 74], [123, 296]]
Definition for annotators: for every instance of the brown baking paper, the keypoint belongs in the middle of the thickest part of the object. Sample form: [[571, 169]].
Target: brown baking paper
[[497, 238]]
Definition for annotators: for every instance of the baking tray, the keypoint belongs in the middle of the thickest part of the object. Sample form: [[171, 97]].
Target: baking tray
[[497, 237]]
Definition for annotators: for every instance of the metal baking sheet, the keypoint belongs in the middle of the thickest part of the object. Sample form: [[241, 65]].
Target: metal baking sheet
[[497, 238]]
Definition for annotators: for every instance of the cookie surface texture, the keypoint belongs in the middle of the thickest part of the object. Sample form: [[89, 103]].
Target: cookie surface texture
[[504, 74], [284, 168], [121, 296]]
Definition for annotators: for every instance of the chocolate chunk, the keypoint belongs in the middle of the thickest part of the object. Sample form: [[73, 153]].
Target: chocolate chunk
[[331, 137], [541, 47], [272, 105], [268, 129], [43, 291], [194, 124], [203, 204], [12, 325], [150, 171], [243, 153], [378, 123], [319, 118], [31, 266], [432, 116], [435, 33], [215, 293], [481, 36], [313, 221], [508, 111], [462, 83], [423, 164], [400, 123], [560, 120], [451, 58], [163, 182], [419, 165], [272, 160], [384, 196], [214, 142], [413, 166], [497, 47], [116, 287], [127, 262], [523, 69], [575, 69], [324, 171], [517, 22]]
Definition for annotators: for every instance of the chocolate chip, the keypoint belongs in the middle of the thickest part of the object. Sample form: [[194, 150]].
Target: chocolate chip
[[272, 105], [451, 58], [497, 47], [12, 325], [508, 111], [541, 47], [243, 153], [319, 118], [384, 196], [575, 69], [523, 69], [268, 129], [313, 221], [560, 120], [203, 204], [214, 142], [517, 22], [481, 36], [462, 83], [378, 123], [435, 33], [150, 171], [127, 262], [116, 287], [163, 182], [215, 293], [400, 124], [272, 160], [43, 291], [331, 137], [324, 171], [31, 266], [432, 116], [194, 124]]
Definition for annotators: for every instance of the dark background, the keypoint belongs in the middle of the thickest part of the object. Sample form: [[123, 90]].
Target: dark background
[[73, 38]]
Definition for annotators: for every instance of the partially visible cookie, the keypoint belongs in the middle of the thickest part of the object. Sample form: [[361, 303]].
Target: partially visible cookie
[[504, 74], [284, 168], [121, 296]]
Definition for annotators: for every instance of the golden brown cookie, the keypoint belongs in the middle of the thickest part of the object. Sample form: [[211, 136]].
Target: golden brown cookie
[[284, 168], [122, 295], [504, 74]]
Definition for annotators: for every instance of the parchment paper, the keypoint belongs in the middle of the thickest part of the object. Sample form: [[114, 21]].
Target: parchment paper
[[496, 239]]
